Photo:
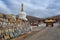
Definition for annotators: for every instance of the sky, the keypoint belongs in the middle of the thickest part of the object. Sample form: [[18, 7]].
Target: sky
[[37, 8]]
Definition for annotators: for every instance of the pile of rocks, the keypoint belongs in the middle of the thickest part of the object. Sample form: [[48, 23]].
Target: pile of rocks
[[12, 31]]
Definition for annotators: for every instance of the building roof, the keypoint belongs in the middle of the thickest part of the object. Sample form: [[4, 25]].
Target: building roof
[[50, 20]]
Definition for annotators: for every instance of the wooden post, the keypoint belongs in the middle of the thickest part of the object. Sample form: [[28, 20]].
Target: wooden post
[[46, 24]]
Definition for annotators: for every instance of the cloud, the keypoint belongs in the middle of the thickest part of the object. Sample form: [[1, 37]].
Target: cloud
[[54, 7], [13, 5], [39, 8], [40, 4], [3, 8]]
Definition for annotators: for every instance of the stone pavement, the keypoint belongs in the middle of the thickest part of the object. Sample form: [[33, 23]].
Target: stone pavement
[[28, 34], [50, 33]]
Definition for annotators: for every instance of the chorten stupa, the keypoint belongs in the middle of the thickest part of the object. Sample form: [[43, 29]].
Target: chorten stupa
[[22, 14]]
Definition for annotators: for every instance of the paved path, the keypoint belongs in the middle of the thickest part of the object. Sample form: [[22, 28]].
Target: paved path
[[33, 32], [50, 33]]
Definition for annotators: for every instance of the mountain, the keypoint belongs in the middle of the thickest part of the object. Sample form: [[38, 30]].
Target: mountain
[[57, 18], [31, 19], [34, 20], [54, 17]]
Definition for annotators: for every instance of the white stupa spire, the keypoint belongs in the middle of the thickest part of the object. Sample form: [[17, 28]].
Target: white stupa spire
[[22, 15], [22, 9]]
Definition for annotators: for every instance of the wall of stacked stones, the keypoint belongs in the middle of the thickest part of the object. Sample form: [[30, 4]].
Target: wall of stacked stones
[[13, 30]]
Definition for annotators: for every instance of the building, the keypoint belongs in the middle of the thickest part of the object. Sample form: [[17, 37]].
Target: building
[[50, 22], [22, 15]]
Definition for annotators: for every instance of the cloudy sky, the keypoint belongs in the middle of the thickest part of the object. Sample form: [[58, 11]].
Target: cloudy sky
[[38, 8]]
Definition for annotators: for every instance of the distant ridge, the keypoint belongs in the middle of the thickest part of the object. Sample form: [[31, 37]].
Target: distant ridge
[[33, 20], [54, 17]]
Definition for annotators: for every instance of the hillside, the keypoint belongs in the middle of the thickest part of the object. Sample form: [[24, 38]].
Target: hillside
[[31, 19], [54, 17], [34, 20]]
